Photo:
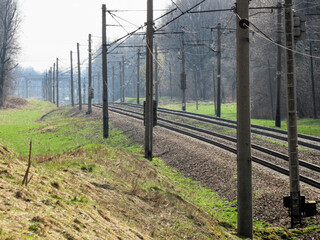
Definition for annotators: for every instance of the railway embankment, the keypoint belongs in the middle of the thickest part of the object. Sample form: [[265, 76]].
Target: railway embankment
[[82, 186]]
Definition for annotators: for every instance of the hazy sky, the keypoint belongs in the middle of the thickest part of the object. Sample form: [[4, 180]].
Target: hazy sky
[[51, 28]]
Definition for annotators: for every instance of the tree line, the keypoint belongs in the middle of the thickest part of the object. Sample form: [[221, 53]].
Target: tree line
[[9, 25], [198, 29]]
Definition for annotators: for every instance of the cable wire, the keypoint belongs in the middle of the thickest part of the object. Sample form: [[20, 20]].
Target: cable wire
[[277, 44]]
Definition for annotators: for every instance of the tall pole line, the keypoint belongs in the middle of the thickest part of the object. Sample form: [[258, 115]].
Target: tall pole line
[[79, 77], [244, 161], [90, 89], [123, 82], [270, 90], [57, 81], [214, 91], [156, 77], [53, 83], [279, 68], [219, 72], [104, 74], [149, 83], [44, 89], [113, 84], [100, 88], [183, 74], [50, 86], [138, 77], [170, 77], [120, 81], [47, 87], [71, 80], [295, 200], [312, 84]]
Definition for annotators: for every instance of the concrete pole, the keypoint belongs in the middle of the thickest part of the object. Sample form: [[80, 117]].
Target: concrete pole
[[84, 91], [149, 83], [54, 83], [100, 88], [214, 91], [138, 78], [79, 77], [104, 74], [123, 82], [279, 68], [50, 85], [47, 87], [183, 75], [313, 86], [90, 89], [292, 117], [27, 89], [113, 84], [120, 81], [170, 82], [71, 80], [156, 73], [245, 223], [219, 72], [44, 97], [57, 81], [270, 90]]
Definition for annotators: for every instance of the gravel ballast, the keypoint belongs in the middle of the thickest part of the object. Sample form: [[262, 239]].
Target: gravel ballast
[[217, 169]]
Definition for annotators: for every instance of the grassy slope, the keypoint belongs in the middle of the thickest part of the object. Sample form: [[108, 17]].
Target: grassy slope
[[305, 126], [86, 187]]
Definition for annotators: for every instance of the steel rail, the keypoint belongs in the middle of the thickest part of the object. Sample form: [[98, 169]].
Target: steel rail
[[260, 161], [234, 140], [256, 129]]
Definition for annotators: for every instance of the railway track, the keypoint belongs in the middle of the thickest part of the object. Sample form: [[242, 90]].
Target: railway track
[[308, 141], [225, 142]]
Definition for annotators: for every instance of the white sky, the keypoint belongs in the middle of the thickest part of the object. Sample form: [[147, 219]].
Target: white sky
[[51, 28]]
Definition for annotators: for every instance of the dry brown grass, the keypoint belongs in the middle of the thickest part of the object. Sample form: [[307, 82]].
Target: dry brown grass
[[96, 193], [15, 103]]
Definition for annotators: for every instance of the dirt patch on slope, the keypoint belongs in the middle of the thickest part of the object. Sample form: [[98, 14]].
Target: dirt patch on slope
[[4, 151], [15, 103]]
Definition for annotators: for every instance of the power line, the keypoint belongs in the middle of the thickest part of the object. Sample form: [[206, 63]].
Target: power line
[[264, 36], [176, 5], [118, 23], [137, 10], [214, 10], [183, 13], [113, 15]]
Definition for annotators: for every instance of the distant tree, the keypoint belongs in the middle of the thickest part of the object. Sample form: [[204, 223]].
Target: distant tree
[[9, 24]]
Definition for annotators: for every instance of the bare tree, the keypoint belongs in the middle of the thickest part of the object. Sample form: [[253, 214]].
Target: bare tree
[[9, 24]]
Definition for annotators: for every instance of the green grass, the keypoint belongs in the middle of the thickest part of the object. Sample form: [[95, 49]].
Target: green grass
[[201, 195], [305, 126], [229, 111], [59, 133], [15, 124]]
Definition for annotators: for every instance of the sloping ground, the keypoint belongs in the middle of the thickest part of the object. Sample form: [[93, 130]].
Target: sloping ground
[[93, 188], [4, 151], [97, 193]]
